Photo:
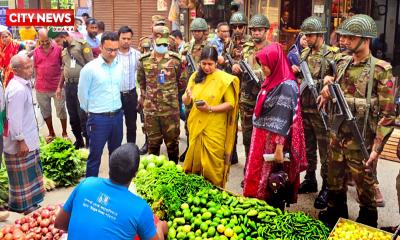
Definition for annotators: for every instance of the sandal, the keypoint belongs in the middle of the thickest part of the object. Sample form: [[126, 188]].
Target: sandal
[[49, 138], [65, 137]]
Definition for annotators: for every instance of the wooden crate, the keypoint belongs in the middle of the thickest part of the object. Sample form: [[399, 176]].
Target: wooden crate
[[390, 149]]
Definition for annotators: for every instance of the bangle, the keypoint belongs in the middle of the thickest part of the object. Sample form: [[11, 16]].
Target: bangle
[[209, 109]]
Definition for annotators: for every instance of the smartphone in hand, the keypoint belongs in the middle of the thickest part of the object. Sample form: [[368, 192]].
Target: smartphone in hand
[[199, 103]]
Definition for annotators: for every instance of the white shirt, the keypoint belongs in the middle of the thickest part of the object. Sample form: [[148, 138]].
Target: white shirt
[[22, 124], [130, 65]]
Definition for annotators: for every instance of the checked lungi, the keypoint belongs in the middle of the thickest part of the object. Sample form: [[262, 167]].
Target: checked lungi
[[25, 181]]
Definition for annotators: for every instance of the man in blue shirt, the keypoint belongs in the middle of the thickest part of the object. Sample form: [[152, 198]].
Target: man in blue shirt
[[99, 96], [221, 38], [101, 208]]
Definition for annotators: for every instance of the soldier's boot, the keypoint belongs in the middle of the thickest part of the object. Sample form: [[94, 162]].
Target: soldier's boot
[[183, 156], [145, 148], [79, 142], [309, 185], [86, 142], [380, 202], [368, 216], [322, 200], [338, 210], [235, 159]]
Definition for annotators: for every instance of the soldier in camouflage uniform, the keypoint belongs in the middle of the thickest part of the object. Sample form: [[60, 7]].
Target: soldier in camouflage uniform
[[234, 47], [237, 23], [258, 26], [145, 45], [198, 28], [160, 81], [368, 86], [317, 55]]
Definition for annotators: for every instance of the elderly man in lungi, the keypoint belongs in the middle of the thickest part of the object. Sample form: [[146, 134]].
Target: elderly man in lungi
[[21, 141]]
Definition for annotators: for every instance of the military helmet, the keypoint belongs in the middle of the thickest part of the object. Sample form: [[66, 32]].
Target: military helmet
[[312, 25], [259, 21], [339, 28], [360, 25], [199, 24], [238, 18]]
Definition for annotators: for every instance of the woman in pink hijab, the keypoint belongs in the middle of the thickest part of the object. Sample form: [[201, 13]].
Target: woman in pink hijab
[[278, 129]]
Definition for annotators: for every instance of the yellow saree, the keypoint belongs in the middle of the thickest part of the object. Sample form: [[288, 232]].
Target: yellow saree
[[212, 135]]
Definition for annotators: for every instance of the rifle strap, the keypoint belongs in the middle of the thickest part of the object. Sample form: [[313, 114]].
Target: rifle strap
[[191, 45], [372, 63]]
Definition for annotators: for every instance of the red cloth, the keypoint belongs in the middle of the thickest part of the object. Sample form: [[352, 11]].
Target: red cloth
[[6, 53], [47, 68], [275, 59], [264, 141], [258, 170]]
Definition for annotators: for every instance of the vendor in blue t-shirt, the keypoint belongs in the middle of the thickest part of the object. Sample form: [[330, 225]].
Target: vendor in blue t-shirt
[[101, 208]]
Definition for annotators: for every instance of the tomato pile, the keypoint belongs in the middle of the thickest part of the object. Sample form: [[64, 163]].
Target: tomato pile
[[35, 226]]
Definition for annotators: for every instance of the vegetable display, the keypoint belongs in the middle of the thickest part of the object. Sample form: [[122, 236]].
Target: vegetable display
[[346, 229], [37, 225], [3, 185], [195, 209], [62, 163]]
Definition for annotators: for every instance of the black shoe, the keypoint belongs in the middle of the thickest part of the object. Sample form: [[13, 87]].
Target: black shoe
[[308, 186], [144, 149], [235, 159], [87, 142], [390, 229], [183, 156], [323, 216], [79, 144], [322, 200]]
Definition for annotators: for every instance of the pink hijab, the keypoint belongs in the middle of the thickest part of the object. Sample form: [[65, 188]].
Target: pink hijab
[[275, 59]]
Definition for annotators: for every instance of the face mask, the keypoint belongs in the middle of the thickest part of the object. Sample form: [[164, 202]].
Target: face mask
[[161, 49], [65, 44]]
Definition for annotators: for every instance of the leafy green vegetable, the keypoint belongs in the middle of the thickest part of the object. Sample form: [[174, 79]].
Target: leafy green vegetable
[[3, 185], [62, 163]]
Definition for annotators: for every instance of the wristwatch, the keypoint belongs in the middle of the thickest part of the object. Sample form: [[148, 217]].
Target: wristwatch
[[209, 109]]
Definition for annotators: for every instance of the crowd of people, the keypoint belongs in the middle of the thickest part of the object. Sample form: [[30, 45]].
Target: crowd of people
[[219, 86]]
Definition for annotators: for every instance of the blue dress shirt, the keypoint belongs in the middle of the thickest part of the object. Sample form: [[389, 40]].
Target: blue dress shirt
[[99, 86]]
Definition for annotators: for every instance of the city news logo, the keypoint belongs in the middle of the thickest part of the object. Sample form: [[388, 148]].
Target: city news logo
[[57, 18]]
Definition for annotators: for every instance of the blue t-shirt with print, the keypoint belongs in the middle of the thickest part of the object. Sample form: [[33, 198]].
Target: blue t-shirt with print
[[101, 209]]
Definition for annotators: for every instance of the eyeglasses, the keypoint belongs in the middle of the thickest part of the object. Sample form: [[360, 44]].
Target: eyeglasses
[[163, 44], [111, 50], [237, 26]]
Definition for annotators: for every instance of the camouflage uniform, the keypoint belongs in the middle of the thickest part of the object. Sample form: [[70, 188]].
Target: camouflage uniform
[[160, 82], [249, 90], [344, 151], [314, 130], [248, 93]]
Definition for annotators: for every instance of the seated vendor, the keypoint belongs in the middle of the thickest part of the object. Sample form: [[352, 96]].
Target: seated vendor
[[101, 208]]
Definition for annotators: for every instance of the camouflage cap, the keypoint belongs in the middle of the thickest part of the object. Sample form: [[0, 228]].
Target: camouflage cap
[[145, 42], [199, 24], [162, 34], [158, 20], [53, 34], [339, 28]]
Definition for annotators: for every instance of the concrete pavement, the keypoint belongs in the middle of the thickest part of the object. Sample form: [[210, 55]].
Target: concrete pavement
[[387, 172]]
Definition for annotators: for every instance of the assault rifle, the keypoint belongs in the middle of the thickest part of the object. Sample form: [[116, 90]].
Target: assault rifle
[[246, 69], [343, 113], [191, 64], [308, 81]]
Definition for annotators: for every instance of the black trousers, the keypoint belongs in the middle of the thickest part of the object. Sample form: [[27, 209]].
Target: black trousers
[[77, 117], [129, 104]]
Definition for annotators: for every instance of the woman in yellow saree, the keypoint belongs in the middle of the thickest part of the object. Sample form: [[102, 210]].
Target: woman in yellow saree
[[212, 121]]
